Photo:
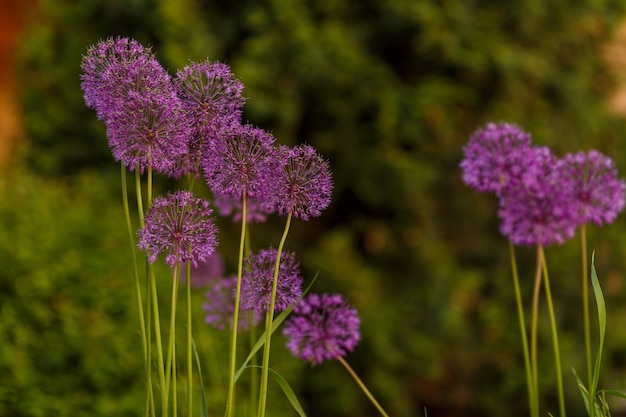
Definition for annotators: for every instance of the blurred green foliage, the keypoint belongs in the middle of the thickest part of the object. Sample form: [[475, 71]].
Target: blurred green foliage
[[389, 92]]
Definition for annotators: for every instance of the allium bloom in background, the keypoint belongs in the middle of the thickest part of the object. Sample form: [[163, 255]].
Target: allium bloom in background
[[494, 156], [220, 306], [598, 193], [258, 277], [304, 182], [206, 272], [240, 162], [540, 208], [213, 100], [180, 226], [255, 212], [322, 327]]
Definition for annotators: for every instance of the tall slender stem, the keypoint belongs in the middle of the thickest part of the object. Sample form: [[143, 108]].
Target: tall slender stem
[[138, 297], [533, 328], [362, 385], [555, 336], [189, 347], [532, 394], [268, 323], [171, 356], [586, 317], [154, 302], [230, 403]]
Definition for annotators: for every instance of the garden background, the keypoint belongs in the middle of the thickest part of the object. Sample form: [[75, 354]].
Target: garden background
[[389, 92]]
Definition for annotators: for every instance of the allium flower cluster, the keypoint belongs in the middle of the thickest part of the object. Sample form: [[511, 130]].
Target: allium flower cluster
[[213, 101], [241, 162], [598, 193], [258, 277], [149, 131], [180, 226], [135, 97], [304, 184], [220, 306], [322, 327], [538, 208], [542, 198], [494, 156], [100, 78]]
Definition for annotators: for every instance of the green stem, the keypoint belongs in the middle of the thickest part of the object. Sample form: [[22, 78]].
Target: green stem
[[532, 395], [230, 404], [254, 363], [268, 323], [142, 323], [555, 337], [362, 385], [154, 303], [586, 316], [533, 330], [189, 347], [171, 352]]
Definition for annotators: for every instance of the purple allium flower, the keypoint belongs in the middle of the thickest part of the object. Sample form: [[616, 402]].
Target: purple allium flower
[[134, 95], [258, 277], [322, 327], [255, 212], [149, 131], [304, 182], [213, 100], [598, 193], [240, 162], [206, 272], [96, 75], [115, 68], [494, 156], [180, 226], [539, 208], [220, 306]]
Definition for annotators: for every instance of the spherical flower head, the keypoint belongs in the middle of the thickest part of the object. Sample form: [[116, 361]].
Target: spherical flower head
[[239, 163], [96, 63], [114, 69], [598, 193], [206, 272], [258, 277], [322, 327], [228, 206], [149, 131], [304, 185], [220, 306], [180, 226], [494, 156], [540, 208], [213, 100]]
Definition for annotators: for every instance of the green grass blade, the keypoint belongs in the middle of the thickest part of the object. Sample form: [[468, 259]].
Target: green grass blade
[[583, 390], [204, 412], [601, 322], [291, 396], [613, 393]]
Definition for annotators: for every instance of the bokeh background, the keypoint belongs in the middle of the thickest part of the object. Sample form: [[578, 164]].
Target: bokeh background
[[389, 91]]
